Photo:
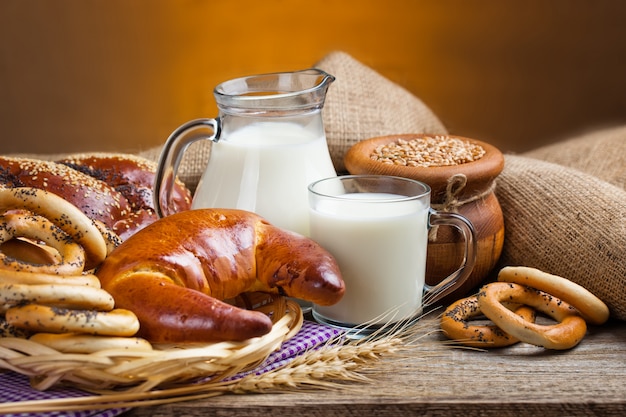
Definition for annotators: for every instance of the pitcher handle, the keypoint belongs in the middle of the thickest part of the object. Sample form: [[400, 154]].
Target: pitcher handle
[[458, 277], [171, 155]]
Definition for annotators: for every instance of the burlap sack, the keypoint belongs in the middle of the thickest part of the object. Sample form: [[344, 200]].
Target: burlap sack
[[362, 104], [601, 153], [566, 222]]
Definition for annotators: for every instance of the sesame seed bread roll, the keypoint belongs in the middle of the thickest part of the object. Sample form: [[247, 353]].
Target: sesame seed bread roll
[[95, 198], [115, 190]]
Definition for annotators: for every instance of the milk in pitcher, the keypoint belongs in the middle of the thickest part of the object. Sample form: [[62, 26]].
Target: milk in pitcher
[[264, 167]]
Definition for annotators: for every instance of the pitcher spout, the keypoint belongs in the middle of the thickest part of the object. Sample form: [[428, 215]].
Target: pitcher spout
[[282, 91], [324, 81]]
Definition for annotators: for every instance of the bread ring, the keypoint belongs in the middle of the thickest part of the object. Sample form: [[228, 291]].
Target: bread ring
[[83, 343], [38, 318], [455, 323], [38, 228], [19, 277], [63, 214], [111, 239], [62, 296], [29, 251], [566, 334], [8, 330], [589, 306]]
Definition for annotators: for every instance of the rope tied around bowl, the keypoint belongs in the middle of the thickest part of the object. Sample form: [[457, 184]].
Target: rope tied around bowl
[[451, 202]]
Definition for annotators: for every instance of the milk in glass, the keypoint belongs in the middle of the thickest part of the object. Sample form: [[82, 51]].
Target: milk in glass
[[265, 168], [378, 240]]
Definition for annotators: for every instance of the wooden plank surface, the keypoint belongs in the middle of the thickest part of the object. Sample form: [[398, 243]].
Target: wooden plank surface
[[523, 380]]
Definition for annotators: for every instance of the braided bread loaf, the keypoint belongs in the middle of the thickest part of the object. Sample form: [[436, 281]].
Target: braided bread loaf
[[115, 190]]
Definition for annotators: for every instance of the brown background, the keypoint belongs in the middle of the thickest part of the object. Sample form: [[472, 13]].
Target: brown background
[[120, 75]]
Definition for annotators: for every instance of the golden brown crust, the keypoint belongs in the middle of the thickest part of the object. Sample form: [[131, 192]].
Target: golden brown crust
[[84, 343], [567, 333], [57, 295], [8, 330], [198, 257], [62, 214], [95, 198], [588, 305], [34, 278], [133, 177], [130, 175], [39, 318], [40, 229], [114, 189], [29, 251], [456, 324]]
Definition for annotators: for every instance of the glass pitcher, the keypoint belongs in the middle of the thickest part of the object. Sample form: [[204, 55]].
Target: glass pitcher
[[268, 145]]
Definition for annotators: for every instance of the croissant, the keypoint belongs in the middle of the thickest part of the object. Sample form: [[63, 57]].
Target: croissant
[[174, 274]]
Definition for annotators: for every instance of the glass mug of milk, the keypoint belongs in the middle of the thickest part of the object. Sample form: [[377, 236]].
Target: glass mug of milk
[[376, 227], [268, 144]]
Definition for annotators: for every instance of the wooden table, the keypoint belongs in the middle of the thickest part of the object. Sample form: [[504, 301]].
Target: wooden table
[[523, 380]]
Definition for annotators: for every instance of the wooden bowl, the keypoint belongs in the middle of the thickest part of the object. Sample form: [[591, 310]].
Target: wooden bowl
[[479, 173], [445, 251]]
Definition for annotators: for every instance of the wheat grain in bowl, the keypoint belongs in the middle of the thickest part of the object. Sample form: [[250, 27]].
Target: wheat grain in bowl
[[432, 159], [427, 151]]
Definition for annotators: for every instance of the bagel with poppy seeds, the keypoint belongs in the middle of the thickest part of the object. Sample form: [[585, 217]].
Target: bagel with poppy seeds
[[457, 324], [589, 306], [24, 224], [565, 334], [62, 214], [197, 258], [49, 319]]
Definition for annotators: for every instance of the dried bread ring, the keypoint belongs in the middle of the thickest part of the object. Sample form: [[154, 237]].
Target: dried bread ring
[[29, 251], [62, 296], [39, 228], [8, 330], [589, 306], [63, 214], [455, 323], [111, 239], [34, 278], [38, 318], [85, 343], [567, 333]]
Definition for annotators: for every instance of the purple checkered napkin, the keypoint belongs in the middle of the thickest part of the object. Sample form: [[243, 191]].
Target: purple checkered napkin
[[16, 388], [311, 335]]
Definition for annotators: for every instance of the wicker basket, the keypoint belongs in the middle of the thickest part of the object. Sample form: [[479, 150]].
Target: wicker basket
[[163, 367]]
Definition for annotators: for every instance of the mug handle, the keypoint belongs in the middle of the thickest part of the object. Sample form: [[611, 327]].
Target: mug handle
[[171, 155], [432, 293]]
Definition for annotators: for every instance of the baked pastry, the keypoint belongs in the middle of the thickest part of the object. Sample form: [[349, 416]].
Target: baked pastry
[[175, 273]]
